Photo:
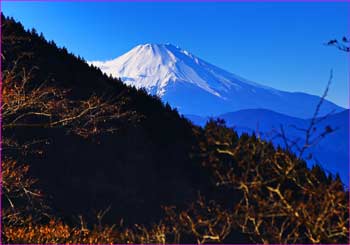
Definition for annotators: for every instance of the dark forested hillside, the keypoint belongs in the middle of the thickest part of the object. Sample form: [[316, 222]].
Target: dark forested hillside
[[143, 165], [267, 124], [85, 157]]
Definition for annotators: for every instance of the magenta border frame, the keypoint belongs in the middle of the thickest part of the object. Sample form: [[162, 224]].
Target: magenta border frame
[[168, 1]]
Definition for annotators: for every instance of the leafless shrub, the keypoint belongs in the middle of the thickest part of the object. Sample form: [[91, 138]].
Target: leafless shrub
[[203, 221], [25, 105], [47, 106], [310, 135], [342, 44], [22, 202], [279, 200]]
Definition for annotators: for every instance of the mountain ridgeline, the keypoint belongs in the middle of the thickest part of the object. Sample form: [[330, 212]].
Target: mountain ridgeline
[[132, 170], [194, 86], [331, 151], [200, 90], [156, 159]]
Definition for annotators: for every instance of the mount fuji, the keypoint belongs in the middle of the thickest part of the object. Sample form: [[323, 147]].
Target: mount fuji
[[196, 87]]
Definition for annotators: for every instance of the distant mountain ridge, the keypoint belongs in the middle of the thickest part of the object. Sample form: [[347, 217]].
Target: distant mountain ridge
[[332, 152], [194, 86]]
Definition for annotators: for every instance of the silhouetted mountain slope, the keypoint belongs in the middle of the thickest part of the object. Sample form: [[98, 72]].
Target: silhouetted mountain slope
[[159, 159], [332, 152], [194, 86], [142, 166]]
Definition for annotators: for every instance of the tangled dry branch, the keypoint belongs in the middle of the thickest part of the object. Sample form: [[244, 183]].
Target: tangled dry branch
[[280, 200]]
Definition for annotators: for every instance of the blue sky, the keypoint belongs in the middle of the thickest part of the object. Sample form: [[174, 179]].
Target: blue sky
[[275, 44]]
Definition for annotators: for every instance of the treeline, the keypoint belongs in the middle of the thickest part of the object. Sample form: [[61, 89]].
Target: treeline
[[85, 158]]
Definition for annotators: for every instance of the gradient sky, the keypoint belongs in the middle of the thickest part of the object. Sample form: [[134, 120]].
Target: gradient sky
[[276, 44]]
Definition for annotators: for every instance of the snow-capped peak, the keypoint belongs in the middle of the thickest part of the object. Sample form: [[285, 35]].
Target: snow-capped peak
[[155, 66], [194, 86]]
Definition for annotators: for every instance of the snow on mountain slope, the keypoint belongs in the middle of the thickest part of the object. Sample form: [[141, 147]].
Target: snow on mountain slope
[[196, 87]]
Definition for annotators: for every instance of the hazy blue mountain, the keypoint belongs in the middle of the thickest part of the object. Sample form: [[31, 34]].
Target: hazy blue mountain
[[331, 152]]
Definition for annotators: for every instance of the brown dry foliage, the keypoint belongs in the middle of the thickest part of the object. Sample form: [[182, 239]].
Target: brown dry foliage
[[281, 201], [27, 105], [21, 200], [278, 200], [56, 232], [201, 223]]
